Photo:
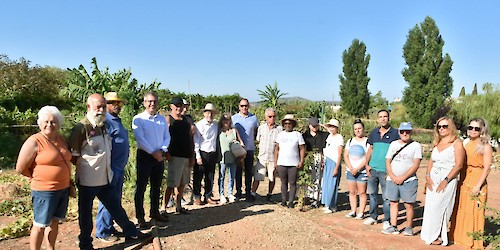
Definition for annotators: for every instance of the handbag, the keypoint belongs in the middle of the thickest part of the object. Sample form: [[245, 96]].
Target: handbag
[[237, 150]]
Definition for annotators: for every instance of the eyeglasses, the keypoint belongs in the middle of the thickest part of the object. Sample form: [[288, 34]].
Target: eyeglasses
[[477, 129], [405, 131], [444, 126], [271, 116], [151, 101], [119, 104], [244, 105]]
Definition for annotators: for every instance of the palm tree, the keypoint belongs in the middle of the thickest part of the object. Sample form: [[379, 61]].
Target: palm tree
[[271, 95]]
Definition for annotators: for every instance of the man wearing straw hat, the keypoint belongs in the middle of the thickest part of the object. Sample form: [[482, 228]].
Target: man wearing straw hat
[[205, 145], [119, 158]]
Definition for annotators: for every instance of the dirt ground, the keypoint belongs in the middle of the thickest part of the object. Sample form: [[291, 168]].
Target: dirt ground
[[244, 225]]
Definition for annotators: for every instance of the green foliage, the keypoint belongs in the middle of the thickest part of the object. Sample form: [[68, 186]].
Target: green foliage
[[427, 73], [271, 96], [474, 91], [482, 105], [378, 102], [493, 239], [19, 228], [462, 92], [15, 207], [354, 80]]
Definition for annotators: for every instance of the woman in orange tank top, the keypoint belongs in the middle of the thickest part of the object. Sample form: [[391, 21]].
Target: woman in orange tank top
[[45, 159], [473, 189]]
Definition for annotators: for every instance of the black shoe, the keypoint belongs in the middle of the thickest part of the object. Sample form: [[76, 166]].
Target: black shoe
[[143, 225], [159, 218], [140, 236], [238, 196], [269, 198], [181, 211], [250, 198], [283, 203], [291, 205]]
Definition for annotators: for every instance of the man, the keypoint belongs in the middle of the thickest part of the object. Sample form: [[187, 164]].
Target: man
[[119, 158], [246, 123], [266, 136], [205, 145], [315, 142], [180, 153], [90, 147], [379, 139], [402, 161], [153, 139]]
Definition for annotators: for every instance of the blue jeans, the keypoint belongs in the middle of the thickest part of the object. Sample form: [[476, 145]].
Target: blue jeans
[[104, 220], [148, 170], [330, 184], [222, 175], [105, 194], [248, 174], [378, 177]]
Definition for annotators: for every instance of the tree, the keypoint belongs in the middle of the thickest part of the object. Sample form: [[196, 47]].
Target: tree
[[462, 92], [354, 80], [378, 101], [271, 95], [474, 91], [427, 73]]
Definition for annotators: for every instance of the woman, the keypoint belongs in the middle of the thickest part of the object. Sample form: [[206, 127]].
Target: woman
[[473, 189], [355, 159], [331, 172], [227, 135], [289, 156], [45, 159], [444, 165]]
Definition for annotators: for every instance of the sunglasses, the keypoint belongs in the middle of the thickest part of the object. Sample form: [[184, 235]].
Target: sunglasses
[[445, 126], [271, 116], [243, 106], [477, 129], [405, 131]]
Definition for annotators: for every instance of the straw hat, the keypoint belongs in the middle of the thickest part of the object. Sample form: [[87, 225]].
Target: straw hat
[[113, 97], [210, 107], [333, 122], [289, 117]]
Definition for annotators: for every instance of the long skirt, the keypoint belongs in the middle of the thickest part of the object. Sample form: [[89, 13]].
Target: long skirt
[[330, 184]]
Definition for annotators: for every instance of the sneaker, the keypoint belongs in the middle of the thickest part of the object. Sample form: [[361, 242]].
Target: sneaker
[[143, 225], [327, 211], [370, 221], [232, 198], [390, 230], [197, 201], [351, 214], [359, 216], [181, 210], [222, 200], [386, 225], [184, 202], [171, 202], [238, 196], [140, 236], [408, 231], [109, 238]]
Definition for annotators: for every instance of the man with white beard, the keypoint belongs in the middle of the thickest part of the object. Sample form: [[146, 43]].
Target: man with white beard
[[90, 146]]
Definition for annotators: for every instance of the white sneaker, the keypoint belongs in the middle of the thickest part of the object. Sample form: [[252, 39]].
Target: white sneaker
[[327, 211], [171, 202], [370, 221], [386, 225], [231, 198], [359, 216], [222, 200], [351, 214]]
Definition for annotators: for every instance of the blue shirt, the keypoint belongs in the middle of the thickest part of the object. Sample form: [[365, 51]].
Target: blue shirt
[[380, 146], [120, 144], [246, 126], [151, 132]]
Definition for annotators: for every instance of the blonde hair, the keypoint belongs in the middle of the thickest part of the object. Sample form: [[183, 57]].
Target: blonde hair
[[484, 134], [452, 128]]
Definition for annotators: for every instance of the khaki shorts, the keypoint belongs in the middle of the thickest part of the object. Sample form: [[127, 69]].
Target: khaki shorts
[[178, 171], [263, 167]]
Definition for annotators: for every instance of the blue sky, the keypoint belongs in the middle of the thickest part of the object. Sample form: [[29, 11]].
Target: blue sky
[[226, 47]]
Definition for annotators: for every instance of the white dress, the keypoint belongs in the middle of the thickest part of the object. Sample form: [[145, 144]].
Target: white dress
[[439, 206]]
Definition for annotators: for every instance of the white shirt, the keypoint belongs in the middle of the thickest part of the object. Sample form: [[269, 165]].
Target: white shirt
[[404, 160], [289, 154], [331, 149], [205, 137], [151, 132]]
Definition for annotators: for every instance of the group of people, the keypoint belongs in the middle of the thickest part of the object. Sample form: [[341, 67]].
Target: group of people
[[99, 148]]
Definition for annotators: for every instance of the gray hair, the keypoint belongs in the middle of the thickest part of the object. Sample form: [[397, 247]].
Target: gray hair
[[269, 110], [50, 110]]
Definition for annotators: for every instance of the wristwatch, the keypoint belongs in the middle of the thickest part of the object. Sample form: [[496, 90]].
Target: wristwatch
[[446, 179]]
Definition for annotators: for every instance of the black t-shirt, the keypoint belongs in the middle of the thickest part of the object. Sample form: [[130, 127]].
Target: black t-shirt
[[317, 142], [181, 143]]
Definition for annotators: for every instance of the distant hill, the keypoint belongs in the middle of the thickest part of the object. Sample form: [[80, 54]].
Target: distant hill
[[294, 98]]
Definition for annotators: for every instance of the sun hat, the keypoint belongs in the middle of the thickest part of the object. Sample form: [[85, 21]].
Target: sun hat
[[176, 101], [405, 126], [185, 102], [210, 107], [333, 122], [289, 117], [313, 121], [113, 97]]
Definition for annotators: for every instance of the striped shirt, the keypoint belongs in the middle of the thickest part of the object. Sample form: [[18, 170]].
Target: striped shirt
[[267, 141]]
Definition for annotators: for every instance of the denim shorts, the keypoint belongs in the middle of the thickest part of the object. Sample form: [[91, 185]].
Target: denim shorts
[[407, 192], [48, 206], [360, 177]]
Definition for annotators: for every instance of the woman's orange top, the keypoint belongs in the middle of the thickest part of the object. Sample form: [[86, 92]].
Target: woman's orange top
[[50, 171]]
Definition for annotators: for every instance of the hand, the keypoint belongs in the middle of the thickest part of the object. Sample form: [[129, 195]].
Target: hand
[[397, 180], [368, 168], [157, 155], [476, 190], [335, 171], [429, 183], [299, 166], [354, 171], [167, 156], [199, 161], [442, 186]]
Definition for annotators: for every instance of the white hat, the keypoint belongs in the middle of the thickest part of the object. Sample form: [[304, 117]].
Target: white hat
[[210, 107], [333, 122], [289, 117]]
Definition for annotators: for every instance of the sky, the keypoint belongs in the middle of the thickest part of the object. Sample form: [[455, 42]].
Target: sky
[[225, 47]]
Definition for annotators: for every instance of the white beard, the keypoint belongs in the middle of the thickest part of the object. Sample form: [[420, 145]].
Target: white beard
[[97, 119]]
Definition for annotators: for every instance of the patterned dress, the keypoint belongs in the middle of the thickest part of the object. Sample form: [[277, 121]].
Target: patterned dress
[[469, 209]]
